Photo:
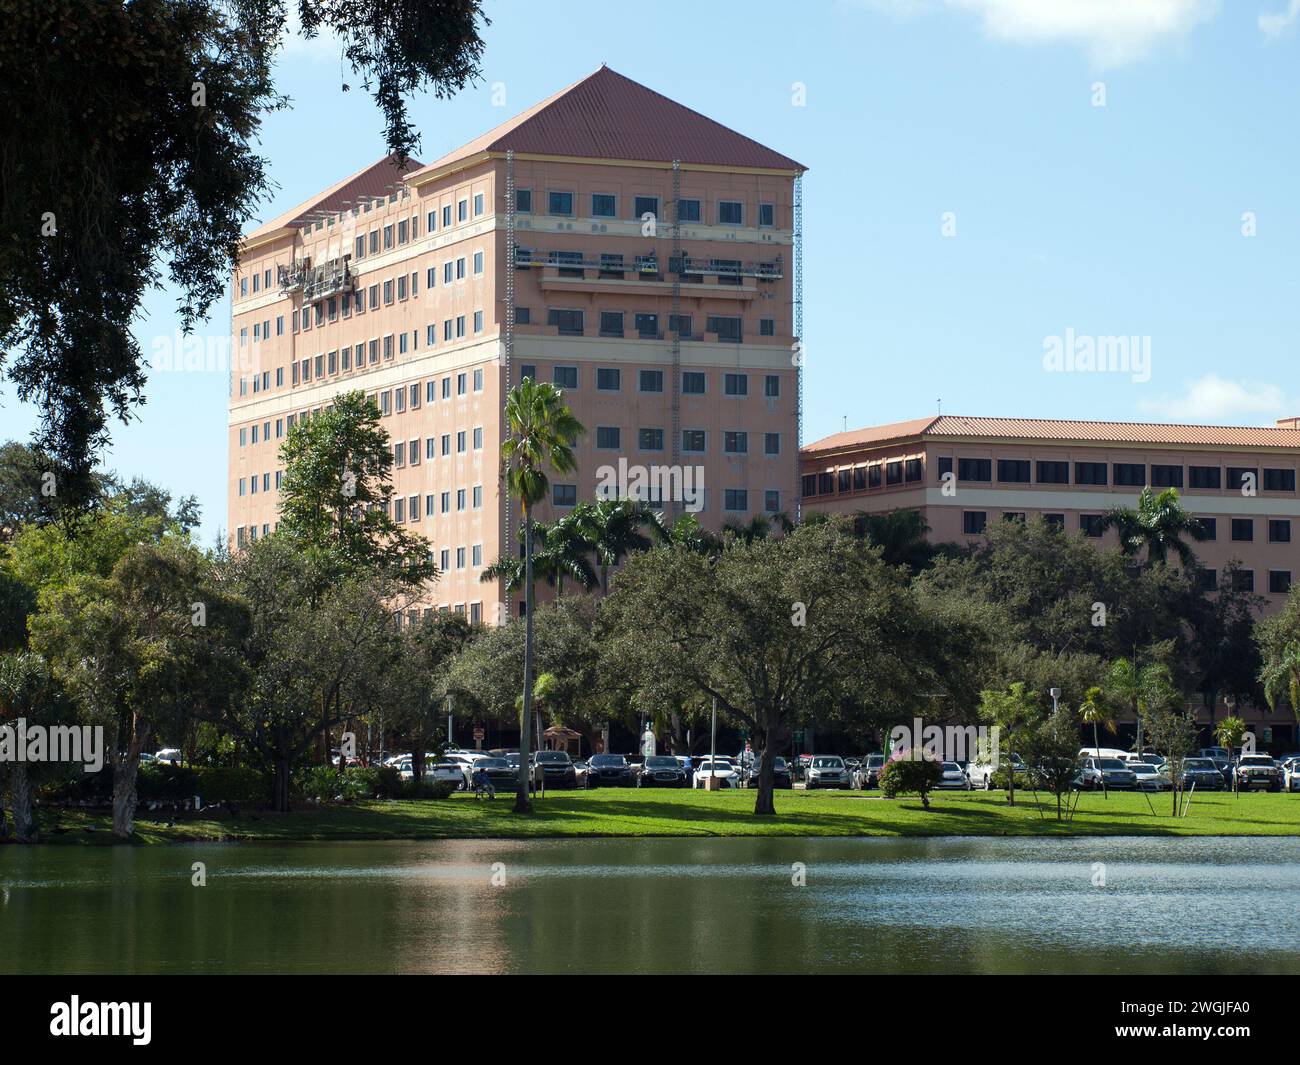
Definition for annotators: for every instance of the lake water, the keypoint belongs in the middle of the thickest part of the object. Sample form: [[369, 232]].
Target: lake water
[[660, 905]]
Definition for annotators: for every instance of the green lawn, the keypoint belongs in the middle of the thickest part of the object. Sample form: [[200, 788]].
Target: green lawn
[[629, 812]]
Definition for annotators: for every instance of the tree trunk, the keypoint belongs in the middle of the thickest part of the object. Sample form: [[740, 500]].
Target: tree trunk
[[280, 786], [523, 805], [1011, 778], [124, 798], [21, 789], [765, 803]]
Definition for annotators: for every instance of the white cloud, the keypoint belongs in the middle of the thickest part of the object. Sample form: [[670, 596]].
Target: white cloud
[[1112, 32], [1211, 398], [1276, 25]]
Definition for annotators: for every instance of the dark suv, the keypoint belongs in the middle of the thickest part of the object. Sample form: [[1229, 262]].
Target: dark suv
[[661, 771], [611, 770], [557, 769]]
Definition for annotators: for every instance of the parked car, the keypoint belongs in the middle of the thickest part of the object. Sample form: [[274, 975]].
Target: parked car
[[953, 776], [557, 769], [722, 768], [1203, 773], [688, 766], [500, 772], [1221, 758], [1112, 772], [827, 771], [661, 771], [611, 770], [980, 771], [1291, 775], [867, 775], [169, 756], [781, 777], [452, 773], [1257, 771], [1150, 777]]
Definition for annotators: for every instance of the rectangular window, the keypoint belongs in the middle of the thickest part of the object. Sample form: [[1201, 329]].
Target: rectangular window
[[1243, 529], [1166, 476], [731, 213], [565, 376], [1244, 580], [524, 201], [647, 326], [688, 210], [478, 204], [603, 205], [894, 472], [974, 469], [693, 440], [607, 437], [569, 323], [766, 215], [693, 383], [564, 495], [1089, 473], [736, 384], [560, 203], [1279, 581], [728, 329], [1279, 480], [608, 379], [973, 522], [650, 439], [462, 210], [1204, 477], [772, 446], [1211, 527], [645, 205], [1243, 477], [1090, 524], [1130, 474], [611, 323], [1013, 470], [652, 380], [1279, 531], [735, 442], [772, 501], [446, 216]]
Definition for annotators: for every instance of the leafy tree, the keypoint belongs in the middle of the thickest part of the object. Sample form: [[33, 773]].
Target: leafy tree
[[903, 773], [336, 496], [1230, 732], [138, 650], [1052, 750], [129, 140], [25, 686], [1160, 524], [1278, 638], [416, 682], [543, 432], [1015, 713], [777, 630], [1172, 729], [614, 527], [901, 535]]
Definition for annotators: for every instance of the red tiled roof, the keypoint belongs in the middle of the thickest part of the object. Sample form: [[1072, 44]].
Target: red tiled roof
[[609, 116], [370, 182], [1083, 432]]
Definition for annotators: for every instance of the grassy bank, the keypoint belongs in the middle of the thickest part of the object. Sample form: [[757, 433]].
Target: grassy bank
[[618, 812]]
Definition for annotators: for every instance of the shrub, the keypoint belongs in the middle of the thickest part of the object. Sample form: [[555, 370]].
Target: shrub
[[426, 789], [231, 784], [325, 783], [159, 782], [902, 773]]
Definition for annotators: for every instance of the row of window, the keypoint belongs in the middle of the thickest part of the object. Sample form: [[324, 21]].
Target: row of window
[[733, 499], [694, 382], [412, 616], [402, 231], [1121, 474], [694, 441], [724, 212], [572, 322], [863, 478], [407, 452], [1241, 530]]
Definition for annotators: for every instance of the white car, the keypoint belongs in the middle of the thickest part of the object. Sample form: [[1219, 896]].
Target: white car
[[169, 756], [451, 772], [954, 776], [721, 768], [1150, 777], [827, 771], [980, 772], [1291, 775]]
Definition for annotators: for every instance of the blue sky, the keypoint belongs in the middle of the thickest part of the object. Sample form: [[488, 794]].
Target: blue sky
[[967, 199]]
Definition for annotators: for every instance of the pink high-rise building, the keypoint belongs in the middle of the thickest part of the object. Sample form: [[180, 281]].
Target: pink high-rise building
[[628, 249]]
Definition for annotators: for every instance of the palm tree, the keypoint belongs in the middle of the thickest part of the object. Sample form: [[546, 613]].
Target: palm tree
[[1159, 524], [542, 433], [614, 529], [1094, 712], [757, 528], [687, 532], [1281, 677]]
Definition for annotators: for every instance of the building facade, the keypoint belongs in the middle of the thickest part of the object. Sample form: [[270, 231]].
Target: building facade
[[963, 473], [608, 240]]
